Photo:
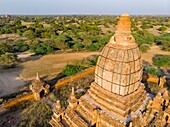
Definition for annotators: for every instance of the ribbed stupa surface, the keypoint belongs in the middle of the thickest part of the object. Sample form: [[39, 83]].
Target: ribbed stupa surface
[[119, 66]]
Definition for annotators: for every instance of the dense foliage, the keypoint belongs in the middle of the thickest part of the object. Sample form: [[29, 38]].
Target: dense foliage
[[47, 34], [164, 40], [152, 70], [8, 60], [144, 47], [162, 61]]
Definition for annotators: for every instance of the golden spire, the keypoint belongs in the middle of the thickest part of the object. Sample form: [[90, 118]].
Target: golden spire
[[58, 105], [72, 96], [123, 34], [37, 77]]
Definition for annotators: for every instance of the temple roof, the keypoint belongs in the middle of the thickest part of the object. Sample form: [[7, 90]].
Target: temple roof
[[119, 66], [38, 84]]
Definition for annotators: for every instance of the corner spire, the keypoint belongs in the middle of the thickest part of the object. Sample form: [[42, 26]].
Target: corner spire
[[37, 77], [72, 93], [72, 99], [58, 105]]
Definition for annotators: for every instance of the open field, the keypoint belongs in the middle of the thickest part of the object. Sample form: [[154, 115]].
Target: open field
[[154, 50], [49, 66], [10, 81]]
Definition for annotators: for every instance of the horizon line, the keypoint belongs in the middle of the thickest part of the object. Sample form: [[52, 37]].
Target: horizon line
[[71, 14]]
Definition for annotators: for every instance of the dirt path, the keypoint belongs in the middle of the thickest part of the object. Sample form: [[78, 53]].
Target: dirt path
[[154, 50], [10, 82]]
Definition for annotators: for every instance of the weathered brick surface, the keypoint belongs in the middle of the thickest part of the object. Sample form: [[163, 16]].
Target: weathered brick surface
[[119, 67], [119, 70]]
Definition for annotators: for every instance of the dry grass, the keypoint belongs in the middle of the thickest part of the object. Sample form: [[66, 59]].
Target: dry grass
[[105, 30], [154, 50], [155, 30], [29, 23], [26, 23], [50, 65]]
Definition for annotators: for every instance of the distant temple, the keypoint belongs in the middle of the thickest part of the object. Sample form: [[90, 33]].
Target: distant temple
[[39, 88], [117, 97]]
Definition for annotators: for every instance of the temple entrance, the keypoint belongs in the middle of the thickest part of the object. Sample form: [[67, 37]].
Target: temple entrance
[[166, 118], [42, 93]]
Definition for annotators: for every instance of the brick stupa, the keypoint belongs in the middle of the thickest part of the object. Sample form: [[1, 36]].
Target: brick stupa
[[117, 94]]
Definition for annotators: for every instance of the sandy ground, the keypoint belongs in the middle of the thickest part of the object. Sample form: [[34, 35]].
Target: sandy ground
[[48, 66], [10, 82], [154, 50]]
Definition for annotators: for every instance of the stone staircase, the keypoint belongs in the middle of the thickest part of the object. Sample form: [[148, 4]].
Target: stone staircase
[[73, 119]]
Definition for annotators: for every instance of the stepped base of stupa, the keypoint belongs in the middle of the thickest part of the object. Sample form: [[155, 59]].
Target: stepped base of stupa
[[102, 108]]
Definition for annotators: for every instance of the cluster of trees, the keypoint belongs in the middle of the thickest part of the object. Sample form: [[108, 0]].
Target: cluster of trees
[[44, 35], [162, 61], [62, 33], [7, 58], [144, 39], [164, 41], [153, 70]]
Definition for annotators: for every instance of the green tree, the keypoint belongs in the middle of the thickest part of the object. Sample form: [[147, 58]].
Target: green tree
[[8, 60], [162, 61], [4, 47], [78, 46], [144, 48], [162, 28], [60, 42], [86, 42], [29, 34], [164, 40]]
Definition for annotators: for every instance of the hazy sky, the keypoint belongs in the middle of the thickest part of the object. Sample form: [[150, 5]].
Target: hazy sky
[[111, 7]]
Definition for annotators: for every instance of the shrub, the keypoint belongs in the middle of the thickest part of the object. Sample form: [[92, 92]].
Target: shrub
[[153, 71], [72, 69], [153, 87], [144, 48], [8, 60], [162, 61], [143, 37], [92, 47], [162, 28], [164, 40]]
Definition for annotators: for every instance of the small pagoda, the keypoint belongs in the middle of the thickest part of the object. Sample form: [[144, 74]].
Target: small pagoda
[[39, 88]]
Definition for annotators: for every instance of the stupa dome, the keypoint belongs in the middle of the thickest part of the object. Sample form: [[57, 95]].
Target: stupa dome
[[119, 66]]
